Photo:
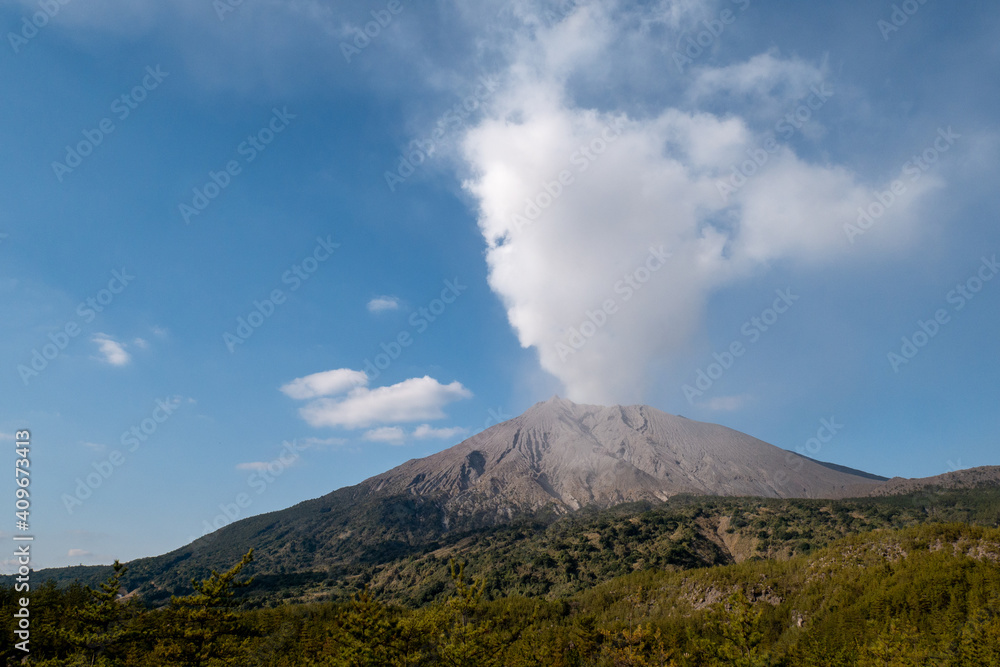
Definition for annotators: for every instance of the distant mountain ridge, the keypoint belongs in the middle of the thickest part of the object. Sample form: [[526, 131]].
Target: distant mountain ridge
[[956, 479]]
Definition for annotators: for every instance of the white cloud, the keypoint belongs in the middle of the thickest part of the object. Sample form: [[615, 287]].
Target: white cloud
[[95, 446], [141, 343], [392, 435], [111, 350], [382, 303], [416, 399], [79, 553], [426, 431], [558, 251], [327, 383]]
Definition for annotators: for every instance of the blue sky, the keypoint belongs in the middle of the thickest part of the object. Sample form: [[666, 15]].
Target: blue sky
[[591, 198]]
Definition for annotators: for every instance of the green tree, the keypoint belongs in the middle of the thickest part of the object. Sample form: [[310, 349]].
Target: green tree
[[895, 646], [103, 626], [465, 639], [979, 642], [203, 629], [365, 634], [742, 636]]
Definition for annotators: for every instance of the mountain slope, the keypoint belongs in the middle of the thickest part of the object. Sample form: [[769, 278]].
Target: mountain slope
[[556, 458], [568, 456]]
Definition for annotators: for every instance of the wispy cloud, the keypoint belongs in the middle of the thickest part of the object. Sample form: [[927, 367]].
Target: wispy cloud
[[319, 443], [252, 465], [392, 435], [426, 432], [727, 403], [382, 303]]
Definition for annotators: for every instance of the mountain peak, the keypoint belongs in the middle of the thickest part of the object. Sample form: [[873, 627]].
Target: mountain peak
[[556, 399], [564, 455]]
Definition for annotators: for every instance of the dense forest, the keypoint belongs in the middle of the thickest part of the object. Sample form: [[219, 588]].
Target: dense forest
[[907, 580], [928, 595], [403, 561]]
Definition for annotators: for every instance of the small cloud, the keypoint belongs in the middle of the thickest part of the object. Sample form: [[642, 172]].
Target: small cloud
[[392, 435], [141, 343], [382, 303], [318, 443], [727, 403], [159, 331], [113, 352], [96, 446], [252, 465], [79, 553], [326, 383], [426, 431]]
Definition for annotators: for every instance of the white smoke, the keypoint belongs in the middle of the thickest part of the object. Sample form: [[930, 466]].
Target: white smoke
[[573, 201]]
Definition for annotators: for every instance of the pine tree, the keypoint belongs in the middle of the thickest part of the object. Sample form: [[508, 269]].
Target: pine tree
[[741, 633], [203, 629], [365, 634], [464, 640]]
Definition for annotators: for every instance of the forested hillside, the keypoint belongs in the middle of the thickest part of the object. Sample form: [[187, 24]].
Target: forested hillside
[[545, 556], [927, 595]]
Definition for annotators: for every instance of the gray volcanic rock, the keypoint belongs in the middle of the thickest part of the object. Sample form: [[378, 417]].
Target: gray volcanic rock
[[565, 456]]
